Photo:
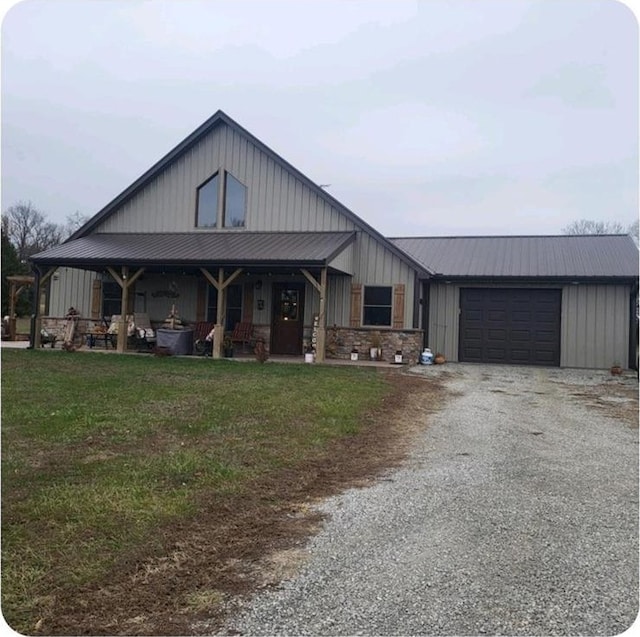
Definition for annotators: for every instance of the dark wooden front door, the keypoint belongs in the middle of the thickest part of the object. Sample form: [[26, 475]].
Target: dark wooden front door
[[288, 316]]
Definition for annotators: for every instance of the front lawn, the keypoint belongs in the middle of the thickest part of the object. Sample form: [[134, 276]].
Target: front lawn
[[101, 454]]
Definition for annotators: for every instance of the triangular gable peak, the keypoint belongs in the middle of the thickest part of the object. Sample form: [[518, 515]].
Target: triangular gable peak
[[278, 196]]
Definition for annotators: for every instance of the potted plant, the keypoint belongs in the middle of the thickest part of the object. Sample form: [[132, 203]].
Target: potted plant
[[227, 347], [354, 354], [309, 354], [397, 357], [375, 351]]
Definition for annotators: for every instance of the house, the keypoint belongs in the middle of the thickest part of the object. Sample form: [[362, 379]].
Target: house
[[227, 231]]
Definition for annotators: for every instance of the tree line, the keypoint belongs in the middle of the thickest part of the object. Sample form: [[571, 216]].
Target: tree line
[[585, 226], [25, 232]]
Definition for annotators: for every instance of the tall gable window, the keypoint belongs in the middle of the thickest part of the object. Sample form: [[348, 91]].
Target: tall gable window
[[235, 202], [207, 211], [221, 202]]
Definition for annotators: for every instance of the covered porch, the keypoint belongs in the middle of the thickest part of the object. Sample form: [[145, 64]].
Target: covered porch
[[279, 283]]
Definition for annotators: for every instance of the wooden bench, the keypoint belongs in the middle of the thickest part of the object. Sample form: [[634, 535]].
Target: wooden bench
[[54, 330], [243, 333]]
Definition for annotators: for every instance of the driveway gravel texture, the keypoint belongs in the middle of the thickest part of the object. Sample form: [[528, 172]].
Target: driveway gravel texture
[[515, 514]]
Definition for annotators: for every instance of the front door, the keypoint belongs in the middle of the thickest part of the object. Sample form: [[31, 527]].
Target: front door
[[288, 315]]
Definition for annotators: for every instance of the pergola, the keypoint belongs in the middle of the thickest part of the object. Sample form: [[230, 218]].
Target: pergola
[[17, 283]]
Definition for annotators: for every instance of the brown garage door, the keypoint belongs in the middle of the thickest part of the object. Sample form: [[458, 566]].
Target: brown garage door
[[518, 326]]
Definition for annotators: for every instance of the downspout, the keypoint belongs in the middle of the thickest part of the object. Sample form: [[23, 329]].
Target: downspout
[[426, 300], [633, 327], [415, 320]]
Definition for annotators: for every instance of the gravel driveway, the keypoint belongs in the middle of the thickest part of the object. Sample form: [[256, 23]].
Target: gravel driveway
[[517, 513]]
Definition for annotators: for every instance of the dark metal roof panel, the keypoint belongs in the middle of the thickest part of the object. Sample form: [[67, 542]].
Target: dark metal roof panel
[[198, 247], [530, 256]]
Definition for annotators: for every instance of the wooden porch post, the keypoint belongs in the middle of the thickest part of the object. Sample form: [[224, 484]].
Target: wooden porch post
[[322, 315], [322, 318], [40, 283], [125, 282], [220, 284], [12, 310]]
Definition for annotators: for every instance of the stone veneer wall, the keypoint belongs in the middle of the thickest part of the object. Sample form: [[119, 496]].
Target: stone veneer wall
[[341, 340]]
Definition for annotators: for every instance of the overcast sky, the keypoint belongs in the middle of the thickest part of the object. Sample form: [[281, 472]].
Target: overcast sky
[[428, 117]]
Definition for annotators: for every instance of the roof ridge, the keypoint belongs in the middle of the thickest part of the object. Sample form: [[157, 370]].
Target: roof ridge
[[511, 236]]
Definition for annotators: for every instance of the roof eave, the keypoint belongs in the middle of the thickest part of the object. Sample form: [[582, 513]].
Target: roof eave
[[534, 278]]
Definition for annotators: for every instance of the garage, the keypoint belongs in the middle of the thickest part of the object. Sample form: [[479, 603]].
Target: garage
[[517, 326]]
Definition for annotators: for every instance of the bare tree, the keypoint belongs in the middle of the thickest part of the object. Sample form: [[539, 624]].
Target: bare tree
[[584, 226], [633, 230], [29, 231], [73, 222]]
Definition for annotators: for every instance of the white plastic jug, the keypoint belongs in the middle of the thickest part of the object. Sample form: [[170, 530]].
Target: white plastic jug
[[426, 358]]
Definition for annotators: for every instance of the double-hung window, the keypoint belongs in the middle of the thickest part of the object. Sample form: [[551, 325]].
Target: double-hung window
[[221, 202], [233, 306], [376, 308]]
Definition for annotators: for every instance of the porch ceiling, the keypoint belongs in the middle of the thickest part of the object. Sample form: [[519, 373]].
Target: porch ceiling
[[203, 248]]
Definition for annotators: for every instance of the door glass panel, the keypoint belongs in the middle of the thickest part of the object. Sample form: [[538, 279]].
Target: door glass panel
[[289, 303]]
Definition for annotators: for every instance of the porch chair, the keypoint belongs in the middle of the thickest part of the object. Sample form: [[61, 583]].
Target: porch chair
[[145, 334], [243, 333], [114, 324], [201, 345]]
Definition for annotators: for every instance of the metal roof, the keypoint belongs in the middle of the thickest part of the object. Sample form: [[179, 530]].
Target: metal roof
[[197, 248], [526, 256]]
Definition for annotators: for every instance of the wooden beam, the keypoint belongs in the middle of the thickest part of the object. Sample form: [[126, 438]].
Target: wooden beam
[[210, 277], [116, 276], [232, 277], [132, 279], [322, 317], [37, 338], [311, 279], [122, 327], [45, 277], [220, 284]]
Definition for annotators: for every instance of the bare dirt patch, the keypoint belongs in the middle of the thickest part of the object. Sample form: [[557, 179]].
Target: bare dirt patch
[[237, 544], [616, 397]]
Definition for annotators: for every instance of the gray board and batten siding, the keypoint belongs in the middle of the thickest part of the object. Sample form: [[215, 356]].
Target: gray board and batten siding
[[596, 277], [279, 199]]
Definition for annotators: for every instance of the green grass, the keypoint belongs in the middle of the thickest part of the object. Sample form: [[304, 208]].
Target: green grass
[[99, 451]]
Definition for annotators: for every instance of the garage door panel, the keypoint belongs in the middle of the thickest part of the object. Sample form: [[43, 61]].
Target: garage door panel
[[521, 356], [521, 316], [545, 315], [510, 325]]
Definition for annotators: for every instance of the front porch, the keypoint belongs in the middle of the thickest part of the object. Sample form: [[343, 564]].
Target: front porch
[[278, 283]]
